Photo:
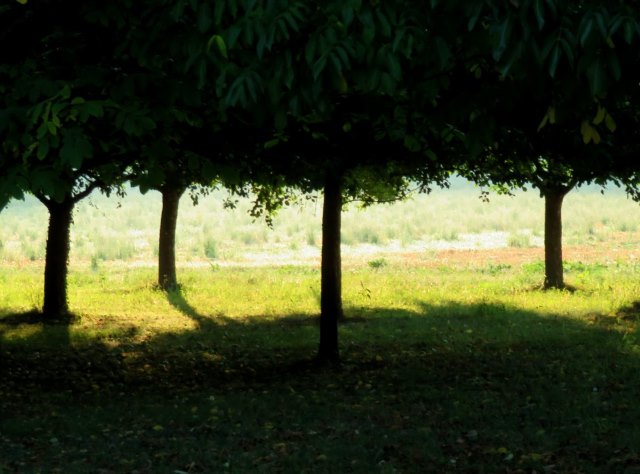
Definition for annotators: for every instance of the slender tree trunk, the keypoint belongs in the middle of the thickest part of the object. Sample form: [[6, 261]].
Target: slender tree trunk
[[57, 259], [331, 271], [553, 272], [167, 279]]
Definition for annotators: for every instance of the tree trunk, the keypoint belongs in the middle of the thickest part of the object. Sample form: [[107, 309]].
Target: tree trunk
[[57, 259], [167, 279], [553, 273], [331, 272]]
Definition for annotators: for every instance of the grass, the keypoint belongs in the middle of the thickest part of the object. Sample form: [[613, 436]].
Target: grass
[[459, 368]]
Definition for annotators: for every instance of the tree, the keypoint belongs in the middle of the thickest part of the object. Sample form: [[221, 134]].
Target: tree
[[327, 82], [69, 124], [549, 78]]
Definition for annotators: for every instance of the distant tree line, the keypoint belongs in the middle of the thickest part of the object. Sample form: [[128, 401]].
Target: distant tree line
[[354, 98]]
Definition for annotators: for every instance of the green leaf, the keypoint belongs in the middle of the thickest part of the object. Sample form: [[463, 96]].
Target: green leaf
[[347, 15], [394, 67], [411, 143], [595, 76], [384, 23], [271, 143], [610, 123], [628, 30], [585, 130], [220, 44], [335, 61], [233, 34], [543, 122], [504, 35], [589, 134], [552, 7], [319, 66], [568, 51], [42, 131], [586, 26], [65, 93], [218, 11], [202, 74], [291, 21], [554, 60], [538, 7], [95, 109], [204, 17], [616, 24], [475, 15], [444, 53], [601, 25], [614, 64], [280, 119], [43, 149], [600, 115], [75, 149], [260, 47]]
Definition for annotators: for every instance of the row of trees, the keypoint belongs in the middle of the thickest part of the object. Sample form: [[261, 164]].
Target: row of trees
[[354, 98]]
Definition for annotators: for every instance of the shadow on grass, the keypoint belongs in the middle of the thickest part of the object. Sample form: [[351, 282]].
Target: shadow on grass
[[177, 300], [492, 387], [631, 312], [223, 348]]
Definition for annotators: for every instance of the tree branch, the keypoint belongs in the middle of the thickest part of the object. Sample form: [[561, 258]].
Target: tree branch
[[85, 192]]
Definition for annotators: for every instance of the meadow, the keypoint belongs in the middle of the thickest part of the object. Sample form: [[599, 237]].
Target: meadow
[[107, 229], [452, 360]]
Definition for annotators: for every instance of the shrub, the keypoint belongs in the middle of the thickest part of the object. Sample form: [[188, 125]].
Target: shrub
[[311, 238], [377, 263], [210, 249], [519, 240]]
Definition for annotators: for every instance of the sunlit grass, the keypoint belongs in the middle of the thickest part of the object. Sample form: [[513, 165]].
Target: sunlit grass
[[127, 297]]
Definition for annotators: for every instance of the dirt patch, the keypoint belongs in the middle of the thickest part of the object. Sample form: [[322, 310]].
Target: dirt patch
[[618, 247], [515, 256]]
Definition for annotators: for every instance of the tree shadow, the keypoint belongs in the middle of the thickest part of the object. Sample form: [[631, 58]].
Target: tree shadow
[[476, 375], [631, 312], [55, 331], [222, 349], [177, 300]]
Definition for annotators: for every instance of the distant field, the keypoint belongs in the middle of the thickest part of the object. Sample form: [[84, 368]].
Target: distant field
[[126, 230]]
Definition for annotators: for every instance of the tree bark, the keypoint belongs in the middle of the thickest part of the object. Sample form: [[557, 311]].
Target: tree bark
[[167, 278], [553, 272], [57, 259], [331, 271]]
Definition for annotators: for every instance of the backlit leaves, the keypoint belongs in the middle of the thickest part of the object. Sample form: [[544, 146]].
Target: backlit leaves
[[589, 133], [220, 45]]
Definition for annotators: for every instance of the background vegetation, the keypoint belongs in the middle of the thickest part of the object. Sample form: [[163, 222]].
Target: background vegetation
[[107, 229]]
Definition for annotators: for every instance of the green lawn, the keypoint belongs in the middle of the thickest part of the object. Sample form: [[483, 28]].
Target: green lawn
[[449, 369]]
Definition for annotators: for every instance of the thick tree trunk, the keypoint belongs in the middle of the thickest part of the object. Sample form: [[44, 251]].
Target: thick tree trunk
[[553, 272], [331, 271], [57, 259], [167, 278]]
